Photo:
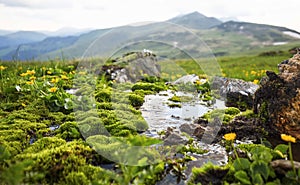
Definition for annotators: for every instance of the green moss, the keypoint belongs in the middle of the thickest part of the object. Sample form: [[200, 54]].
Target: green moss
[[155, 87], [53, 164], [208, 173], [232, 111], [176, 98], [45, 143], [227, 114], [174, 105], [68, 131], [103, 95], [136, 100]]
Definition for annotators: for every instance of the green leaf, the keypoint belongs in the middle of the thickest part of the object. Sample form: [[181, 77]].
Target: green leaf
[[4, 153], [242, 177], [275, 182], [143, 161], [257, 179], [282, 148], [261, 153], [260, 167], [241, 164]]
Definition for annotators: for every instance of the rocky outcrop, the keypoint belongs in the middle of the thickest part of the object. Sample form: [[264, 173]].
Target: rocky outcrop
[[132, 67], [236, 93], [277, 101]]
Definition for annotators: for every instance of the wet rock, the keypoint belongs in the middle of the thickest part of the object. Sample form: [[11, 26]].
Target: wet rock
[[186, 79], [236, 92], [175, 139], [198, 132], [246, 128], [282, 166], [277, 99], [131, 67], [187, 128]]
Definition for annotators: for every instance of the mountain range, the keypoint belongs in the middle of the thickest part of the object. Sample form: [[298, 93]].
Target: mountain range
[[222, 38]]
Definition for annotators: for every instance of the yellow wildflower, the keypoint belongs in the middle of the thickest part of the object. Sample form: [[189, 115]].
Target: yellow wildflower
[[54, 80], [49, 72], [288, 138], [32, 78], [29, 82], [44, 68], [198, 82], [53, 89], [256, 81], [82, 73], [23, 74], [64, 77], [253, 72], [2, 68], [23, 104], [230, 136], [32, 72]]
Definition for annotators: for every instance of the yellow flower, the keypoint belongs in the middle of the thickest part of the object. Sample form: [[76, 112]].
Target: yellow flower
[[32, 78], [230, 136], [29, 82], [256, 81], [64, 77], [253, 72], [2, 68], [44, 68], [198, 82], [49, 72], [23, 74], [288, 138], [82, 73], [53, 89], [23, 104], [54, 80], [32, 72]]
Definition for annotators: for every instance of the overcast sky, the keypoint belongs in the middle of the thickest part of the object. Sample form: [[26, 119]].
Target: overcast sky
[[54, 14]]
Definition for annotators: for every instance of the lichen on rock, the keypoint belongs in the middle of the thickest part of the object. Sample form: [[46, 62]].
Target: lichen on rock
[[277, 99]]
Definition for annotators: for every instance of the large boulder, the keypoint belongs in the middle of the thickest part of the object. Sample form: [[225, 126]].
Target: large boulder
[[277, 101], [132, 67], [236, 93]]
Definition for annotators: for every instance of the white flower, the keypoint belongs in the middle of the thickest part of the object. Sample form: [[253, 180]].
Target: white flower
[[18, 88]]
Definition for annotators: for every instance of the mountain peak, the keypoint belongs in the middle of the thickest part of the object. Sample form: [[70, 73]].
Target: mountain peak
[[195, 20]]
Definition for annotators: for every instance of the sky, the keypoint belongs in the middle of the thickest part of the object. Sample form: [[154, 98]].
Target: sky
[[51, 15]]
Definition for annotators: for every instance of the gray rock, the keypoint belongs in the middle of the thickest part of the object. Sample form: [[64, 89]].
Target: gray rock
[[175, 139], [236, 93], [136, 65], [186, 79]]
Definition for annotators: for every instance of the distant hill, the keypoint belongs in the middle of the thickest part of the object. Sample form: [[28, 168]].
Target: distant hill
[[222, 38], [20, 37], [196, 20]]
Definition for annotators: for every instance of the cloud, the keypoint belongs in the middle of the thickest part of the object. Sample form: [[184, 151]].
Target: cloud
[[51, 14], [38, 4]]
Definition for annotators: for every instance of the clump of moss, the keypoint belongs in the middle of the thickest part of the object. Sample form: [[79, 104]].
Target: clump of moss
[[208, 174], [174, 105], [68, 131], [227, 114], [54, 162], [155, 87]]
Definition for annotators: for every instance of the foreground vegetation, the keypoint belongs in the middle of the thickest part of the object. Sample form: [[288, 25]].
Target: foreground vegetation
[[42, 140]]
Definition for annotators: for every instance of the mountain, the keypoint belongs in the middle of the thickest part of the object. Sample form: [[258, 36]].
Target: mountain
[[164, 38], [20, 37], [196, 20], [5, 32], [67, 31], [34, 50]]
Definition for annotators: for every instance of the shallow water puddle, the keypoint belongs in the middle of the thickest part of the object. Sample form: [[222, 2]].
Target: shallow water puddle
[[159, 115]]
